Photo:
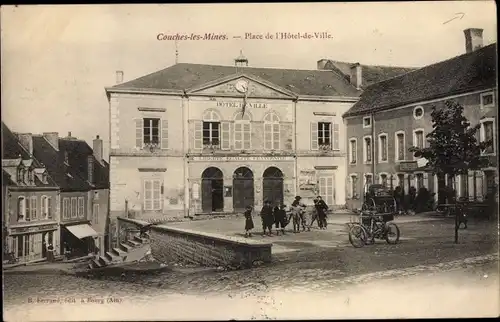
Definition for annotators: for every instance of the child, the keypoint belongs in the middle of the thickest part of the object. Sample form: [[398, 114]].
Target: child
[[280, 219], [248, 221], [298, 215]]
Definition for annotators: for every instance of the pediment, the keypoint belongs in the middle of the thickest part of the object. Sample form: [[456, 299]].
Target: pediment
[[256, 88]]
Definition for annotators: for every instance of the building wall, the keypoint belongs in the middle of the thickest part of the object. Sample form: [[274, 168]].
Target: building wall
[[70, 195], [99, 214], [402, 119], [12, 206]]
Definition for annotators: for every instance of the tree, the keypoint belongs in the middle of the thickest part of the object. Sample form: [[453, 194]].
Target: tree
[[453, 147]]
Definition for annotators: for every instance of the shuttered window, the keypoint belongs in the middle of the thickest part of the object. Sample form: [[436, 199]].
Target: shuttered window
[[152, 194], [314, 136], [225, 135], [33, 207], [326, 189], [242, 132], [151, 132], [66, 208], [198, 135], [74, 207], [81, 207], [271, 132], [164, 134]]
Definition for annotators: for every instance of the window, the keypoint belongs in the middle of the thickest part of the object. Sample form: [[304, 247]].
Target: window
[[353, 146], [66, 157], [324, 135], [400, 146], [354, 187], [90, 168], [242, 132], [326, 184], [49, 208], [487, 134], [487, 100], [418, 112], [367, 122], [20, 174], [152, 195], [383, 179], [95, 214], [81, 207], [74, 208], [151, 131], [382, 145], [368, 181], [22, 214], [367, 141], [33, 207], [211, 133], [44, 207], [418, 138], [271, 132], [401, 180], [66, 209], [96, 195]]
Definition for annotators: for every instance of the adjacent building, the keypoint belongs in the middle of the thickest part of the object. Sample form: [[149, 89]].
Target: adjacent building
[[394, 115], [83, 182], [195, 138], [30, 198]]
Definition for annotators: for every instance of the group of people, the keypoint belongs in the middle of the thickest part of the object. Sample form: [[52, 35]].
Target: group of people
[[280, 217]]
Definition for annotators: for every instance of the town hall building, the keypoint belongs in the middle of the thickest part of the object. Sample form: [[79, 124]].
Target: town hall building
[[196, 138]]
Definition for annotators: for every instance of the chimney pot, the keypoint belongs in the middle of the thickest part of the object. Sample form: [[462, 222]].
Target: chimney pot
[[26, 140], [69, 134], [473, 39], [52, 138], [119, 77], [356, 76], [97, 148]]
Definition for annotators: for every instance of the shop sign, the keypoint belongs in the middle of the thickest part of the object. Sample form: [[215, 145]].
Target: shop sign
[[408, 166], [33, 229], [240, 158]]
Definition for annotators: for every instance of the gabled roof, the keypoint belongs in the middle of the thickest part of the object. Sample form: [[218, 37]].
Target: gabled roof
[[465, 73], [370, 74], [13, 154], [57, 168], [179, 77]]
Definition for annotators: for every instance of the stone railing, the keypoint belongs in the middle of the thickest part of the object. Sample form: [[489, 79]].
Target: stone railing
[[175, 245]]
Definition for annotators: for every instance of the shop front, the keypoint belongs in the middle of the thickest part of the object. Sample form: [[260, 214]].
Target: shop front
[[78, 239], [30, 243], [229, 184]]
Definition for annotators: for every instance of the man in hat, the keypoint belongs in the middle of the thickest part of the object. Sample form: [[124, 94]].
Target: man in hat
[[266, 214], [321, 209]]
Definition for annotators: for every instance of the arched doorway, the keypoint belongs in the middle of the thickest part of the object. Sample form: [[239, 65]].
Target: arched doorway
[[212, 187], [272, 185], [243, 194]]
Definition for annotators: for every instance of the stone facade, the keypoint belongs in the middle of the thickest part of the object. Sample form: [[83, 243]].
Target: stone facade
[[405, 120]]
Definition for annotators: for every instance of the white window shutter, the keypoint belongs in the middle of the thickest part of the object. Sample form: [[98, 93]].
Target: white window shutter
[[225, 136], [268, 136], [349, 187], [198, 135], [246, 136], [138, 133], [314, 136], [335, 137], [164, 134], [238, 136]]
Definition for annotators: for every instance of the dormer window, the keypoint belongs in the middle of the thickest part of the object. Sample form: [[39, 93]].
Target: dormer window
[[66, 157], [20, 174], [44, 177]]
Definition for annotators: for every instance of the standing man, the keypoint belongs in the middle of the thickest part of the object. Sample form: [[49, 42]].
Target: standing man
[[266, 214], [321, 209]]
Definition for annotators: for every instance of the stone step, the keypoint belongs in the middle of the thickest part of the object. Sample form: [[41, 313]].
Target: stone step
[[112, 257], [104, 261], [119, 252], [96, 264], [125, 247], [134, 243]]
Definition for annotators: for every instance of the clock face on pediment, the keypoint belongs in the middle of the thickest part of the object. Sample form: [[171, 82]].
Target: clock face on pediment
[[242, 86]]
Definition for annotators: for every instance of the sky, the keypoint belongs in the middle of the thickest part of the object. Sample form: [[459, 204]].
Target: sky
[[57, 60]]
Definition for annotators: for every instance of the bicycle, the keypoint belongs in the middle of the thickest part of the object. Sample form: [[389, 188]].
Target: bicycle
[[373, 226]]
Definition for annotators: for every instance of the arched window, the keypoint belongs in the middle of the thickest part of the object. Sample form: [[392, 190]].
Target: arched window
[[211, 128], [271, 132], [21, 209], [242, 132]]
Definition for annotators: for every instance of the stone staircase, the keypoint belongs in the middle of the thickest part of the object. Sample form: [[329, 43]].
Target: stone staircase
[[119, 254]]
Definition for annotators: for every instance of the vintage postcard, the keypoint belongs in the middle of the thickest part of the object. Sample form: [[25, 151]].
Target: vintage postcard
[[249, 161]]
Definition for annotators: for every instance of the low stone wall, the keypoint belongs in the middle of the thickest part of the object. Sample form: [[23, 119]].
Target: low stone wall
[[175, 245]]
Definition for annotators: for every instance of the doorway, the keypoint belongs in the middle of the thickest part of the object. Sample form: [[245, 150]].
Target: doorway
[[212, 190], [272, 186], [243, 188]]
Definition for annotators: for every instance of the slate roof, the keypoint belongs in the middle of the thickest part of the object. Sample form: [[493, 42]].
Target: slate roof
[[180, 77], [54, 162], [370, 74], [461, 74], [12, 149]]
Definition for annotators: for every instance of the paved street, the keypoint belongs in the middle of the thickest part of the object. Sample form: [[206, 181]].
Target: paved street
[[308, 264]]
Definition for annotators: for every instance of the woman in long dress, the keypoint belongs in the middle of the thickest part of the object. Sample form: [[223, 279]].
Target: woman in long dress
[[248, 221]]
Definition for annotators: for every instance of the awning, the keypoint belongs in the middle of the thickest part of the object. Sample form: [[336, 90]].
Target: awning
[[82, 231]]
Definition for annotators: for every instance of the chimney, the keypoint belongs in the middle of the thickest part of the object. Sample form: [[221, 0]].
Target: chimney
[[473, 39], [356, 77], [321, 64], [26, 140], [119, 77], [52, 138], [97, 147]]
